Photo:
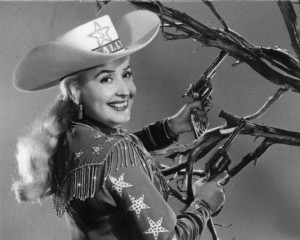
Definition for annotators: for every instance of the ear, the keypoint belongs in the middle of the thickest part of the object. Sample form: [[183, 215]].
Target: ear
[[74, 93]]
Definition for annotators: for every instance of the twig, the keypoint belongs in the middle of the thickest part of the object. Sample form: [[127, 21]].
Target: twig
[[267, 105], [254, 156], [212, 8], [290, 19]]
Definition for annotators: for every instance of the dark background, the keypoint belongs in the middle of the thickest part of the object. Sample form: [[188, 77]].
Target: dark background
[[262, 202]]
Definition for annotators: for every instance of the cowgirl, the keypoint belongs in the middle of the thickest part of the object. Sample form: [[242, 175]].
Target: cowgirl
[[102, 177]]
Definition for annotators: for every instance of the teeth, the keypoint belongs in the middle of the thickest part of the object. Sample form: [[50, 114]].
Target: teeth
[[118, 105]]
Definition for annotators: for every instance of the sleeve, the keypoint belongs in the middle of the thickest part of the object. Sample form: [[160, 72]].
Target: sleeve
[[157, 135], [132, 184]]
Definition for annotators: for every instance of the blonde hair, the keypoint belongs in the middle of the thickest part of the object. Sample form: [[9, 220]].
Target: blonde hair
[[36, 148]]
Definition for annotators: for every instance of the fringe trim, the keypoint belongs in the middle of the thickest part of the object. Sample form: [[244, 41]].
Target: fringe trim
[[85, 181], [80, 184]]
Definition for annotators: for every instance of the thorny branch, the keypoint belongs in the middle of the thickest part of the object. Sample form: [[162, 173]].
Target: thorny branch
[[290, 19], [276, 65]]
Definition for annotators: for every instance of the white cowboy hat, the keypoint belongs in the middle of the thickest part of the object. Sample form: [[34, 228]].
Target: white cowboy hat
[[89, 45]]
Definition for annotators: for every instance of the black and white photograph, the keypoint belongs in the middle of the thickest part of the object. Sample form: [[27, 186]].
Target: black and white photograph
[[150, 120]]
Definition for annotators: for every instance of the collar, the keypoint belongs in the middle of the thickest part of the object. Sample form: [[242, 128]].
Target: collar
[[102, 127]]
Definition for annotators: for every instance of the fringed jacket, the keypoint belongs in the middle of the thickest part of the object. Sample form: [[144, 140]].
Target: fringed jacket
[[112, 189]]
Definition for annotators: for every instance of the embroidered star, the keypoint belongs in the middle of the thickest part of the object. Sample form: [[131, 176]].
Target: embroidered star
[[119, 184], [109, 139], [137, 205], [101, 34], [98, 135], [78, 154], [73, 130], [96, 150], [155, 228]]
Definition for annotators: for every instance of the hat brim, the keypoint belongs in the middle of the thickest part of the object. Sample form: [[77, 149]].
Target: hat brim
[[47, 64]]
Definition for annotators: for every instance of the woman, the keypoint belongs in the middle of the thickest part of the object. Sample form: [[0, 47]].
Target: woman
[[101, 176]]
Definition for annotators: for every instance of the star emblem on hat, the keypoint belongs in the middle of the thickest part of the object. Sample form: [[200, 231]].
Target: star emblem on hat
[[119, 184], [137, 205], [155, 228], [101, 34]]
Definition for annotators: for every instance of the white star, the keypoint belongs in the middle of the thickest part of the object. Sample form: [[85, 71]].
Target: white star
[[78, 154], [73, 130], [155, 228], [119, 184], [137, 205], [109, 139], [96, 150], [98, 135], [101, 34]]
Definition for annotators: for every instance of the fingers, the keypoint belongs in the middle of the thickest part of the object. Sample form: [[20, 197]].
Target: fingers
[[194, 104], [199, 113], [221, 179]]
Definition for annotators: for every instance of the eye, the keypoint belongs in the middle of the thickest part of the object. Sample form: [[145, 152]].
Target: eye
[[127, 74], [106, 79]]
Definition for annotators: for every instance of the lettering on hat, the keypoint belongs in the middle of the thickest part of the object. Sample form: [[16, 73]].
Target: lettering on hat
[[111, 47]]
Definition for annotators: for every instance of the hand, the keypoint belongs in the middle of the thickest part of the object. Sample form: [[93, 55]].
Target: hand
[[181, 121], [211, 192]]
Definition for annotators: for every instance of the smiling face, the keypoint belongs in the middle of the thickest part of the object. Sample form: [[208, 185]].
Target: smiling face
[[107, 92]]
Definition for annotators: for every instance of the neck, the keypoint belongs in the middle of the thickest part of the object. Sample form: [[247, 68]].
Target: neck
[[99, 125]]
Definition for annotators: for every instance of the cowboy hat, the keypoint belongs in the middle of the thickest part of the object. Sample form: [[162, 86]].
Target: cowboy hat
[[89, 45]]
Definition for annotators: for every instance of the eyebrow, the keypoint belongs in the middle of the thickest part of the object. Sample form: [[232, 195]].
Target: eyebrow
[[110, 71]]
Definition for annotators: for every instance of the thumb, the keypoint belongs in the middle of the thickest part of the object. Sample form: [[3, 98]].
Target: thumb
[[221, 178], [194, 104]]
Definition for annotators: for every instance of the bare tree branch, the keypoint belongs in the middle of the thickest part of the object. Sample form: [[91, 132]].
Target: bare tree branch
[[290, 19], [212, 8], [254, 156], [274, 64], [267, 105], [275, 135]]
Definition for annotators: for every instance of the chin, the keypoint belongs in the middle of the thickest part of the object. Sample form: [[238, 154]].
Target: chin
[[123, 121], [120, 121]]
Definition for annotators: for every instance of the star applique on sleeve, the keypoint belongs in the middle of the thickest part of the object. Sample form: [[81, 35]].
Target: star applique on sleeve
[[137, 205], [155, 228], [119, 184]]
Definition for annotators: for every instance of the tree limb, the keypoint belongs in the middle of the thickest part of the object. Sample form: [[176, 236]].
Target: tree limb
[[267, 105], [267, 62], [291, 23]]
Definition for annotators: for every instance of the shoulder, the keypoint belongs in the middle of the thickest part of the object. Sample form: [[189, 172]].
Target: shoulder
[[86, 158], [90, 146]]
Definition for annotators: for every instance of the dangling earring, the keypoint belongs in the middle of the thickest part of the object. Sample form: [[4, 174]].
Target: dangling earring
[[80, 111]]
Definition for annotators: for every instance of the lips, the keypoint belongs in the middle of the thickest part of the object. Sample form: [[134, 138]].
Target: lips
[[119, 106]]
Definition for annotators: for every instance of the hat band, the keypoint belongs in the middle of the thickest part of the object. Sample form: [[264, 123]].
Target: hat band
[[111, 47]]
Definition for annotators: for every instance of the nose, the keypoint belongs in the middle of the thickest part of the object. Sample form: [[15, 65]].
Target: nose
[[126, 88]]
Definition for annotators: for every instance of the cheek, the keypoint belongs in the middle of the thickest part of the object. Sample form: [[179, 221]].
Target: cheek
[[93, 98], [132, 89]]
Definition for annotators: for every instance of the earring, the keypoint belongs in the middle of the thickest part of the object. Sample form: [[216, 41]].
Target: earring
[[80, 112]]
